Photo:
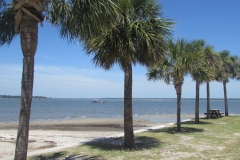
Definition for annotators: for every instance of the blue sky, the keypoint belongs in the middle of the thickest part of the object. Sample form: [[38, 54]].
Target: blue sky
[[63, 70]]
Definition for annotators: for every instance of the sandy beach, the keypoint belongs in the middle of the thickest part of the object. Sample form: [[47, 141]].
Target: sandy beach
[[49, 136]]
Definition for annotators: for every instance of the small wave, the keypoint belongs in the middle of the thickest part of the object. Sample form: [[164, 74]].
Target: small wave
[[135, 115]]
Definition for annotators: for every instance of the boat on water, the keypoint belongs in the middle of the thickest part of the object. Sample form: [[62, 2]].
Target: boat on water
[[96, 101]]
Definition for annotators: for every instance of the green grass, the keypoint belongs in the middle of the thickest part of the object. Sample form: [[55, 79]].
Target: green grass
[[216, 138]]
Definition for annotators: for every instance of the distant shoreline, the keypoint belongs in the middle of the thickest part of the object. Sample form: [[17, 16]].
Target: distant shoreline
[[10, 96], [42, 97]]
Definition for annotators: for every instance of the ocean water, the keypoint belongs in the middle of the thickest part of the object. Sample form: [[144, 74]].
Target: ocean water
[[58, 109]]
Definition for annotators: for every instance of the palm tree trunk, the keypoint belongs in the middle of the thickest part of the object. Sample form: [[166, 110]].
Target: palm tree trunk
[[197, 103], [28, 36], [178, 88], [208, 100], [128, 120], [225, 98]]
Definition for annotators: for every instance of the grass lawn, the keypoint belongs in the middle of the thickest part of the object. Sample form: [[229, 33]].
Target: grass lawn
[[215, 138]]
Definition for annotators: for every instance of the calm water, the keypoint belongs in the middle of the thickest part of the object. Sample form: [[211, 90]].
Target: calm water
[[54, 109]]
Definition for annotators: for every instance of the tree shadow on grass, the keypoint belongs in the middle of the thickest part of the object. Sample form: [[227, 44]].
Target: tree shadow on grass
[[173, 130], [141, 142], [106, 144], [82, 157], [193, 122], [50, 156], [62, 156]]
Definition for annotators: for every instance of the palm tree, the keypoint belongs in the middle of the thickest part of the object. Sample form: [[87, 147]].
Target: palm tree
[[22, 17], [174, 68], [212, 61], [26, 23], [138, 36], [229, 69], [202, 73]]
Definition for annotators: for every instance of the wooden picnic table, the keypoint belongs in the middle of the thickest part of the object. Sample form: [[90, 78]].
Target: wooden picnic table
[[215, 112]]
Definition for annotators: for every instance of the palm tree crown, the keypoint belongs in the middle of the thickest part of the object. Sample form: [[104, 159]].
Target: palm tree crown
[[229, 66], [75, 19], [137, 36], [235, 69], [202, 72], [179, 61]]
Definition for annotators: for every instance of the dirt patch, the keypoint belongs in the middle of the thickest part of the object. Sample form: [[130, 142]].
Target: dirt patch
[[237, 134]]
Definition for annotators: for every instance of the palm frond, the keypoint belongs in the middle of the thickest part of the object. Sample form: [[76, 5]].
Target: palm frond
[[235, 67], [161, 71], [150, 39], [202, 74], [224, 72], [204, 70], [7, 26], [178, 62], [79, 19], [145, 9], [2, 5]]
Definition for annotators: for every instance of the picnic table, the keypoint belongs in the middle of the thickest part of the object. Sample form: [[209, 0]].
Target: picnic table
[[215, 113]]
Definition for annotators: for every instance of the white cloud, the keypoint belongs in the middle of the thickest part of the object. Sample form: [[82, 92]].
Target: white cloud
[[143, 88], [45, 57], [57, 81], [10, 79]]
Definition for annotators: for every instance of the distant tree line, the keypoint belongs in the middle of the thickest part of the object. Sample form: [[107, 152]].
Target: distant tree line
[[10, 96]]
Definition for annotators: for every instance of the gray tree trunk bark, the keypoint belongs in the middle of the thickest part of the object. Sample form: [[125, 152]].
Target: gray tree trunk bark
[[29, 37], [225, 98], [197, 103], [128, 119], [208, 100], [178, 88]]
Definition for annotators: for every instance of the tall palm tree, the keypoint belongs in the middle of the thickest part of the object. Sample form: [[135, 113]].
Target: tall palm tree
[[22, 17], [212, 61], [138, 36], [26, 24], [179, 61], [202, 73], [229, 69]]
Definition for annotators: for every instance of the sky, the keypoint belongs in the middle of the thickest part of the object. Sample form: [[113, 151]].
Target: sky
[[64, 70]]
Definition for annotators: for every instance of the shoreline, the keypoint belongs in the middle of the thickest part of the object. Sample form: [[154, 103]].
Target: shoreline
[[91, 124], [154, 118]]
